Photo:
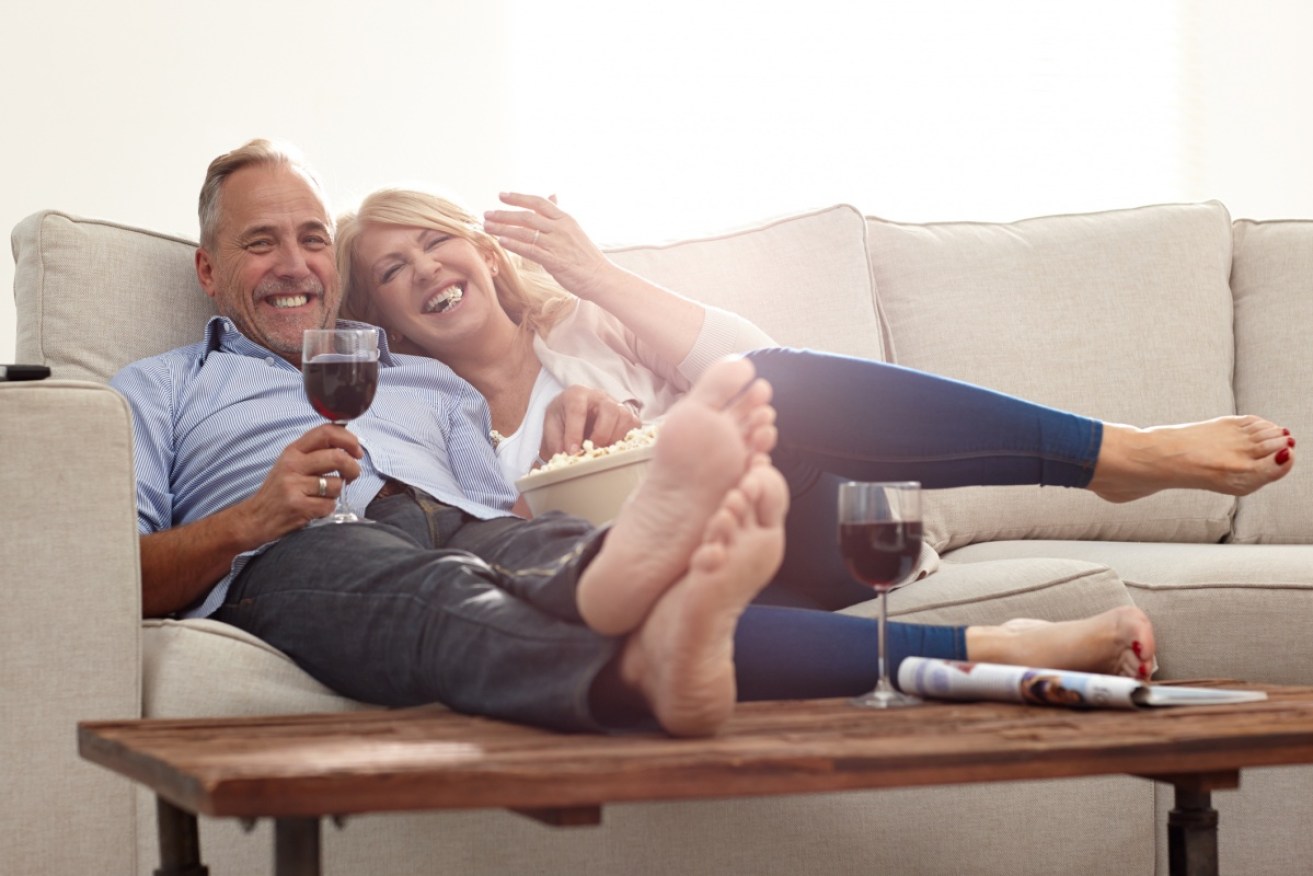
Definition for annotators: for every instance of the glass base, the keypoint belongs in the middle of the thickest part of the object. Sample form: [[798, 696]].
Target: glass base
[[885, 696], [348, 517]]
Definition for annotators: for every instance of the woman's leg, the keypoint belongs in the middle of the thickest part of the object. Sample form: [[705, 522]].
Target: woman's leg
[[784, 653], [842, 418]]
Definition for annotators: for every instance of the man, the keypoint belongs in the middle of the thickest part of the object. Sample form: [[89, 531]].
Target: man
[[448, 597]]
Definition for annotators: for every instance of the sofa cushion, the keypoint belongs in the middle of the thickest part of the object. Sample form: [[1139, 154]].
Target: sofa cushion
[[1272, 280], [1124, 316], [1218, 610], [802, 278], [66, 271], [208, 668]]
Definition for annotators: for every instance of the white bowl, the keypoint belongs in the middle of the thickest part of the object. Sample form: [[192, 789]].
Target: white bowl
[[593, 489]]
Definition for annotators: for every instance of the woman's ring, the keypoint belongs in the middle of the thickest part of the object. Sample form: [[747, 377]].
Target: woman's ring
[[323, 487]]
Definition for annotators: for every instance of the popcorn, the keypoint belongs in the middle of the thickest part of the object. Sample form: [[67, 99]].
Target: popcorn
[[643, 436]]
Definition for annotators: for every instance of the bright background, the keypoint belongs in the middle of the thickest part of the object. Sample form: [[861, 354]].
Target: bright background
[[659, 120]]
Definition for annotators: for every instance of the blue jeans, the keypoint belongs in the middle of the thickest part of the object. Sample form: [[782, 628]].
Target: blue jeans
[[843, 418]]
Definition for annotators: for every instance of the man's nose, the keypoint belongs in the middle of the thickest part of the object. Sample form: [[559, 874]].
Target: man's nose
[[292, 261]]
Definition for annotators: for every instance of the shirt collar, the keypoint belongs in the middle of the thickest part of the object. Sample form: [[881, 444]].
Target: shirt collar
[[222, 334]]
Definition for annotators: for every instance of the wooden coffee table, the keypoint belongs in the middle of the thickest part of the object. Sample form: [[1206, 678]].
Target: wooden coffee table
[[298, 769]]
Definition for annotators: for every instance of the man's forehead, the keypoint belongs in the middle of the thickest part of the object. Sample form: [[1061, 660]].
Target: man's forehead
[[272, 197]]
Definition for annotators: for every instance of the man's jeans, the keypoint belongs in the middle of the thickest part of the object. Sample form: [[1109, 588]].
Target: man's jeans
[[431, 605]]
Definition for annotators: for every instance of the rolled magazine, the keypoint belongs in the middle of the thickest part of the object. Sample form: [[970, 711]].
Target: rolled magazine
[[959, 680]]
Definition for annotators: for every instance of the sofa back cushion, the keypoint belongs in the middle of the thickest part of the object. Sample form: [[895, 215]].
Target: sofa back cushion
[[1272, 280], [93, 296], [1124, 316], [803, 278]]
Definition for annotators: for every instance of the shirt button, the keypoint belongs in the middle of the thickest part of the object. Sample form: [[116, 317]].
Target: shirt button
[[227, 326], [268, 360]]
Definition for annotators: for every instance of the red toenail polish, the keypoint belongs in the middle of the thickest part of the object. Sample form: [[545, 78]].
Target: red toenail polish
[[1290, 442], [1135, 646], [1144, 671], [1285, 431], [1283, 456]]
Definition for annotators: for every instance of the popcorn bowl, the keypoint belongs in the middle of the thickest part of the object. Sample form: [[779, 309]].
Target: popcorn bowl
[[592, 488]]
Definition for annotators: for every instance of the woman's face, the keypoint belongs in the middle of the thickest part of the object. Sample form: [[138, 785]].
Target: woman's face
[[431, 286]]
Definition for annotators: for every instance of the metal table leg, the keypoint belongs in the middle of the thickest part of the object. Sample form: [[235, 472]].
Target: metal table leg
[[1192, 834], [296, 847], [180, 843]]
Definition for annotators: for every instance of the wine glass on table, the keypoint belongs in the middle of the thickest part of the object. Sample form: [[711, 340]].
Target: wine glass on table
[[340, 368], [880, 540]]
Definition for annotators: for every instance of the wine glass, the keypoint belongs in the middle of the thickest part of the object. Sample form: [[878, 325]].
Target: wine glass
[[340, 368], [880, 539]]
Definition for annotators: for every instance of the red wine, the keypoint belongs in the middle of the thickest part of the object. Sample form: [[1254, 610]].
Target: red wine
[[880, 554], [339, 388]]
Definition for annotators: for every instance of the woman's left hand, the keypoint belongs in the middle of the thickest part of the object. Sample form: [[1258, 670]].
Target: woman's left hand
[[544, 233]]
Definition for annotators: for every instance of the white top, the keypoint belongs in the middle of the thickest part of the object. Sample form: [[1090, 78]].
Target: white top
[[518, 451]]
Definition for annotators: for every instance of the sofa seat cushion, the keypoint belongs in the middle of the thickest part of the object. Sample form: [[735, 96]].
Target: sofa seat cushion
[[206, 668], [1272, 280], [1124, 316], [1218, 610]]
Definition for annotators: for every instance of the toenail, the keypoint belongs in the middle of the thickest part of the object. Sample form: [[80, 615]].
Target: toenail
[[1144, 671], [1285, 431], [1283, 456], [1290, 442], [1135, 646]]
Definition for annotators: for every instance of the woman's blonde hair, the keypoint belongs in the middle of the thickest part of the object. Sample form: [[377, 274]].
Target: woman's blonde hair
[[531, 298]]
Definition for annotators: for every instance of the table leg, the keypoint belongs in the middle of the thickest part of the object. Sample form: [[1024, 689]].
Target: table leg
[[1192, 834], [180, 843], [296, 847]]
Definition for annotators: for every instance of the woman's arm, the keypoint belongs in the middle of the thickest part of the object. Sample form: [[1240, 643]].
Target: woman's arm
[[544, 233]]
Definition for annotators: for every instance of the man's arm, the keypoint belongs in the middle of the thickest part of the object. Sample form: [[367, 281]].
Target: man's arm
[[178, 565]]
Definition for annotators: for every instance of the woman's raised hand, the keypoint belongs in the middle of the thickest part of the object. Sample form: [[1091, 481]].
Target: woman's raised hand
[[544, 233], [579, 413]]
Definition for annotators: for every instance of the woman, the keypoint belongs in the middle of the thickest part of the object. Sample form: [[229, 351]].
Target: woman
[[573, 353]]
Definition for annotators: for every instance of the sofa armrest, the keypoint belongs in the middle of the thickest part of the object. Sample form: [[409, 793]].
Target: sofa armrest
[[70, 630]]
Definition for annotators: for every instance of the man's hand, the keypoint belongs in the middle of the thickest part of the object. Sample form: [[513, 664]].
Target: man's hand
[[579, 413], [289, 498], [178, 565]]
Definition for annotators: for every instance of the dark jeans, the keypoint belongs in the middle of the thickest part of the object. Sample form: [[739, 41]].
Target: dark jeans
[[843, 418], [431, 605]]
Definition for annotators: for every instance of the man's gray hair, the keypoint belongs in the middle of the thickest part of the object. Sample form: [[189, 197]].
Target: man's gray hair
[[256, 152]]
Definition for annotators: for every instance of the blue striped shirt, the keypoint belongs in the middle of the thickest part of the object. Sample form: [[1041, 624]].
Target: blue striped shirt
[[210, 420]]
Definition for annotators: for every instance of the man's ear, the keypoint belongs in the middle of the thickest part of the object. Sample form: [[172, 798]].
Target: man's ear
[[205, 272]]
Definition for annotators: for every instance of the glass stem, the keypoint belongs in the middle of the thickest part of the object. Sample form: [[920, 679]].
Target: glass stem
[[884, 684]]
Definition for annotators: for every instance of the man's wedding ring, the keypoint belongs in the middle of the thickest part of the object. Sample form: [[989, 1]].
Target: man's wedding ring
[[323, 486]]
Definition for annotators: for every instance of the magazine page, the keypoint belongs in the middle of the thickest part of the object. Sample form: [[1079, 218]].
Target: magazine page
[[960, 680]]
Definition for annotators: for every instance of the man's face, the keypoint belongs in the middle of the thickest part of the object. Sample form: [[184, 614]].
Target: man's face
[[271, 268]]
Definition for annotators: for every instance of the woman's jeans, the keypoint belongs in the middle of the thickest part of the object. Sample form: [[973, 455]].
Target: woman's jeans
[[843, 418]]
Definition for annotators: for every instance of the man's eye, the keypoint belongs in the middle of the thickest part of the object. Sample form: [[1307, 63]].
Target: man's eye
[[259, 245], [317, 241]]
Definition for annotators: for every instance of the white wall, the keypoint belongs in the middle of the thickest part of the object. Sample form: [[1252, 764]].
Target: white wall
[[112, 109]]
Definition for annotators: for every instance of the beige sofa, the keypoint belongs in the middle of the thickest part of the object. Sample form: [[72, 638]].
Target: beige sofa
[[1151, 315]]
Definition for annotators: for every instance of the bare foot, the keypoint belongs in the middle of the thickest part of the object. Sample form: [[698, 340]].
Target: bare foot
[[1232, 455], [1117, 642], [682, 658], [705, 445]]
